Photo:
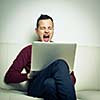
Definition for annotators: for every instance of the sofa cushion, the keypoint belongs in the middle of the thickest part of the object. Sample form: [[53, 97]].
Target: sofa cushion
[[88, 95], [15, 95], [18, 95]]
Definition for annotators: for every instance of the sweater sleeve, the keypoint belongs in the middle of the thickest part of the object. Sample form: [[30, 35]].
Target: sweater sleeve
[[22, 61], [73, 78]]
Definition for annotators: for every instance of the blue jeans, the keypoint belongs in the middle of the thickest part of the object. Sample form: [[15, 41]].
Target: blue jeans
[[53, 83]]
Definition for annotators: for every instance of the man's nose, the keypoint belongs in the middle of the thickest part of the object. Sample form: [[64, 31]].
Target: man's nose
[[46, 30]]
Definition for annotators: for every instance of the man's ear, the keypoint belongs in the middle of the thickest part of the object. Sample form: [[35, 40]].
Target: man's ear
[[36, 30]]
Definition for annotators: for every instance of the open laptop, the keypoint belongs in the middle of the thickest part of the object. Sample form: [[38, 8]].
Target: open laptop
[[44, 53]]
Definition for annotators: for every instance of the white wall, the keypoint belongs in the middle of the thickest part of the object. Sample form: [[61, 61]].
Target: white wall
[[75, 20]]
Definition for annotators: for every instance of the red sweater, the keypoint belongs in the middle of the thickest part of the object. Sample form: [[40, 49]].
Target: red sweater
[[23, 60]]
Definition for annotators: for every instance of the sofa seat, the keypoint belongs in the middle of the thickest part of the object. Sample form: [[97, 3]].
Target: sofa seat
[[88, 95], [15, 95], [6, 94]]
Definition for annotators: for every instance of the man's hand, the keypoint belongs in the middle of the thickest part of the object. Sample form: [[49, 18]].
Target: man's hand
[[28, 76], [32, 74]]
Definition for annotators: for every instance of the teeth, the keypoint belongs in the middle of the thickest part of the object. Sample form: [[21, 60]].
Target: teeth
[[46, 36]]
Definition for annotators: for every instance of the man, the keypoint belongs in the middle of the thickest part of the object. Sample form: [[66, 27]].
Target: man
[[52, 83]]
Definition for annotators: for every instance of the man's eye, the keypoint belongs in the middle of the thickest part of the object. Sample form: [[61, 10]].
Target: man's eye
[[42, 28], [50, 28]]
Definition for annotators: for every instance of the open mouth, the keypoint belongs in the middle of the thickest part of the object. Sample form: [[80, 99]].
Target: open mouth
[[46, 38]]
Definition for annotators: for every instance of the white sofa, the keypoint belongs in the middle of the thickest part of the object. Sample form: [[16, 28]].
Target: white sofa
[[87, 66]]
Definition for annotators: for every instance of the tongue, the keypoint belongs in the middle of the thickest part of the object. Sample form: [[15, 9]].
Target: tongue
[[46, 39]]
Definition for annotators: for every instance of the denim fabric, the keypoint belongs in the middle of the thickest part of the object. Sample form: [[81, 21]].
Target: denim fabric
[[53, 83]]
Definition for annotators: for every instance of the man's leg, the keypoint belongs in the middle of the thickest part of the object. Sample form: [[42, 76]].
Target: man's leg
[[59, 71], [43, 86], [50, 92], [65, 87]]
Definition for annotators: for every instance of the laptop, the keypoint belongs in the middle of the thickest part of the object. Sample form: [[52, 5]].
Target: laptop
[[44, 53]]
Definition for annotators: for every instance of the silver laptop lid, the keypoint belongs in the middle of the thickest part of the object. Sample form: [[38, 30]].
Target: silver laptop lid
[[44, 53]]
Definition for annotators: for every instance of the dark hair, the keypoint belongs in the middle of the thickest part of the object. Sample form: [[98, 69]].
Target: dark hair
[[43, 17]]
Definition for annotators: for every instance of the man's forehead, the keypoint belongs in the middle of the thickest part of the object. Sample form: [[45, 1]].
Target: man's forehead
[[45, 22]]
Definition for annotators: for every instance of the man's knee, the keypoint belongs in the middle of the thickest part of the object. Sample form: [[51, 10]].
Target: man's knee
[[49, 84], [62, 63]]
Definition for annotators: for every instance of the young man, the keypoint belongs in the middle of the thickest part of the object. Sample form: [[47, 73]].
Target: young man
[[52, 83]]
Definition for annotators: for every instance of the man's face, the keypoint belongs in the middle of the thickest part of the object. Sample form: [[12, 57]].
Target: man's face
[[45, 30]]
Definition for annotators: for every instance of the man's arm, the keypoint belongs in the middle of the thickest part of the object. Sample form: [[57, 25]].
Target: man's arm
[[23, 60], [73, 78]]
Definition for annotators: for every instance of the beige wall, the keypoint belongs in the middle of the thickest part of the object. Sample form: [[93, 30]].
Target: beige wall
[[75, 20]]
